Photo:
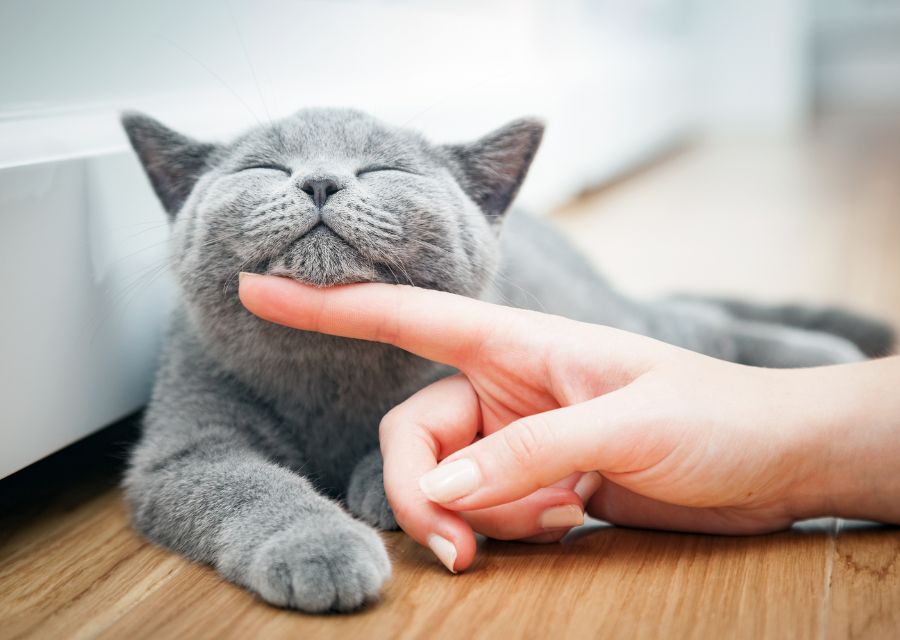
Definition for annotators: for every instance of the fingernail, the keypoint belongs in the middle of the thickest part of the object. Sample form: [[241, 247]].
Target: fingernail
[[587, 486], [562, 517], [245, 274], [451, 481], [444, 550]]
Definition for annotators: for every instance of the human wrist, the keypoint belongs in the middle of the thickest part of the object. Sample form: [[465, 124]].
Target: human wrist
[[846, 421]]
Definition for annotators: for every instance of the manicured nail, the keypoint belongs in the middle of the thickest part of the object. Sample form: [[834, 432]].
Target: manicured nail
[[587, 485], [444, 550], [451, 481], [562, 517]]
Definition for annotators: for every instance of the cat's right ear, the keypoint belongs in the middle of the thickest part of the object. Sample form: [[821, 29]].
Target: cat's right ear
[[492, 168], [173, 162]]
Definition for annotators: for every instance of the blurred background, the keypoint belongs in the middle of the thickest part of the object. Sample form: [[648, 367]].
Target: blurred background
[[749, 148]]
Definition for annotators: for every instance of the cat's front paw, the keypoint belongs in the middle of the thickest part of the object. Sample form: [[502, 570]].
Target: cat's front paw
[[365, 495], [332, 566]]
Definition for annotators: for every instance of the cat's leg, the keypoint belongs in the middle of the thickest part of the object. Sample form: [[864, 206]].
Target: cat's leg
[[773, 345], [365, 494], [873, 337], [201, 482], [711, 330]]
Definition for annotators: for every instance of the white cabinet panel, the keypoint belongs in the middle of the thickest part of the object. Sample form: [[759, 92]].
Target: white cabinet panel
[[82, 250]]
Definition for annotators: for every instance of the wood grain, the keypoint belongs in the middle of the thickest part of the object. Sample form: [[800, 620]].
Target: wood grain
[[815, 218], [865, 593], [81, 572]]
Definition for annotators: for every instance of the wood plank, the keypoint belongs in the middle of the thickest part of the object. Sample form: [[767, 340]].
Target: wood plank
[[70, 573], [94, 577], [865, 583]]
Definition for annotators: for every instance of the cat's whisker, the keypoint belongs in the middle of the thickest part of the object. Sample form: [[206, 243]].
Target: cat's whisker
[[240, 36], [154, 245], [490, 79], [389, 263], [142, 278], [216, 76], [405, 271], [148, 229], [497, 276], [141, 223], [237, 272], [124, 296], [393, 274]]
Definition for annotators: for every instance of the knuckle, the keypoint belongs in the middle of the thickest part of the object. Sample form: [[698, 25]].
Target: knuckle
[[387, 329], [526, 441], [389, 424], [385, 426]]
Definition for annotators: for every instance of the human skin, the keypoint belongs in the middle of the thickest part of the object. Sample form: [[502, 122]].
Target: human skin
[[547, 412]]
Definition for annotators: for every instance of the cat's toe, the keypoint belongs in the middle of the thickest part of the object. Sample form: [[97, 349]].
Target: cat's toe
[[320, 569]]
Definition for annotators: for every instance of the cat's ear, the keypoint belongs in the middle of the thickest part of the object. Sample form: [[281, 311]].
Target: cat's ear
[[492, 169], [173, 162]]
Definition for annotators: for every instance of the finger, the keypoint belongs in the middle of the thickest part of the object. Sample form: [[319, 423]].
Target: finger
[[585, 485], [617, 505], [553, 510], [545, 538], [535, 452], [442, 417], [436, 325]]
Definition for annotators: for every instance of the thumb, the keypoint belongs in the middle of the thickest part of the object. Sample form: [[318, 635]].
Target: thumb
[[526, 455]]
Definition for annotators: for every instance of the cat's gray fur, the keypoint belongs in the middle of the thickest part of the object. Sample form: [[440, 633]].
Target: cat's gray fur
[[260, 441]]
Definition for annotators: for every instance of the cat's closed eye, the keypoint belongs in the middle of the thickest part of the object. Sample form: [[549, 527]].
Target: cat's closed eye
[[267, 167], [375, 168]]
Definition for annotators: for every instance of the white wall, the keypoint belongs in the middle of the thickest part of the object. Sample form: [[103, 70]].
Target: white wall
[[607, 80], [857, 48], [753, 65]]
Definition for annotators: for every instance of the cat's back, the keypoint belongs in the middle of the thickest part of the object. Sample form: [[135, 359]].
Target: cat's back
[[541, 270]]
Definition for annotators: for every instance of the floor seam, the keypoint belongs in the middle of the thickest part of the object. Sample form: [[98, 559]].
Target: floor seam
[[831, 550]]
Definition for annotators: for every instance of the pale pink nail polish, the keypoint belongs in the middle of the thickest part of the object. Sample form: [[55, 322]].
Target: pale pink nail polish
[[444, 550], [562, 517], [587, 485], [451, 481]]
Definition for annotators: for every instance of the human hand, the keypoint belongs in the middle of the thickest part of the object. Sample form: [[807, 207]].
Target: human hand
[[682, 441]]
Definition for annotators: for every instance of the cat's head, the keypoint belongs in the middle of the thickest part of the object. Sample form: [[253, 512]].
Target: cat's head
[[332, 196]]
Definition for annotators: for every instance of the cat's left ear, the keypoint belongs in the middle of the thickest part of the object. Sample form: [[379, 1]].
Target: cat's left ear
[[173, 162], [492, 169]]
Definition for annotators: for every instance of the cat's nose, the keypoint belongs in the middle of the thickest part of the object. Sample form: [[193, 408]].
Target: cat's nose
[[320, 189]]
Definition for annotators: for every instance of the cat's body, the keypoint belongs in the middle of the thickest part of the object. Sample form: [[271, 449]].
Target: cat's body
[[257, 433]]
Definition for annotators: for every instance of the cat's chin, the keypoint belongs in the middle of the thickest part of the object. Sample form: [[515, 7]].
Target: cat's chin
[[323, 280]]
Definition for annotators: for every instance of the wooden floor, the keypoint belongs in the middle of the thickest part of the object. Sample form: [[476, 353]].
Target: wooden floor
[[816, 218]]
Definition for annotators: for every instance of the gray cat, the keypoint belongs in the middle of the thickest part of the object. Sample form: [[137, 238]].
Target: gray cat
[[261, 441]]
